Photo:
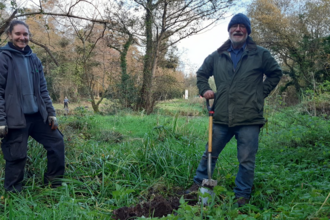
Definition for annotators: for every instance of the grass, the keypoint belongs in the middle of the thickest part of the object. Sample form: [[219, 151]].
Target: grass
[[192, 107], [120, 160]]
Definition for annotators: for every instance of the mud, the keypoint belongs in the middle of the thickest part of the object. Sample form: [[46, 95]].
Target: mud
[[158, 207]]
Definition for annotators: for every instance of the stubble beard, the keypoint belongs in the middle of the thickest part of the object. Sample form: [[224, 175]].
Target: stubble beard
[[238, 44]]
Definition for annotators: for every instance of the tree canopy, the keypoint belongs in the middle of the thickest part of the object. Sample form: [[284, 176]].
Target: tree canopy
[[120, 49], [297, 33]]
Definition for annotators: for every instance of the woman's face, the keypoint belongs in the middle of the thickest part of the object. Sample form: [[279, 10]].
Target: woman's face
[[20, 36]]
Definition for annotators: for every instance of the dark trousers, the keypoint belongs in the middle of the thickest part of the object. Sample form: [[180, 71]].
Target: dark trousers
[[66, 105], [14, 147]]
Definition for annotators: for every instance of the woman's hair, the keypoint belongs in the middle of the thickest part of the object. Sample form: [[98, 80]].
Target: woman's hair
[[13, 23]]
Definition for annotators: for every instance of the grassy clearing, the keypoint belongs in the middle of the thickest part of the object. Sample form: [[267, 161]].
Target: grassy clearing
[[120, 160], [192, 107]]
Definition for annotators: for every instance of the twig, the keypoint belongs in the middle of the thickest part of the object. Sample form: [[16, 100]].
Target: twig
[[323, 203], [7, 22], [47, 50]]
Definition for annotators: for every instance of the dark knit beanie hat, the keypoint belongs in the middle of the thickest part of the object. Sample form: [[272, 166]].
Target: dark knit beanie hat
[[241, 19]]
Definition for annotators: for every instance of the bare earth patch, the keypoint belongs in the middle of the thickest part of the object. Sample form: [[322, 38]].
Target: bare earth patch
[[158, 207]]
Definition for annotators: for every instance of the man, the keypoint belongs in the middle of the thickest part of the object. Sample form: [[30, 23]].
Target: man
[[66, 102], [26, 110], [238, 67], [66, 105]]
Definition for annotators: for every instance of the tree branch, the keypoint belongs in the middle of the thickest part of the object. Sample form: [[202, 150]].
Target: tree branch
[[7, 22], [64, 15], [47, 50]]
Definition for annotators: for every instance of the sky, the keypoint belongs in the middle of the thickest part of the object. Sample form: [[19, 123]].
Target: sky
[[196, 48]]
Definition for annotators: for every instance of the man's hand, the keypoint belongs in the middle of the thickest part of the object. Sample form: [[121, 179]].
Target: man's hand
[[3, 131], [209, 94], [52, 122]]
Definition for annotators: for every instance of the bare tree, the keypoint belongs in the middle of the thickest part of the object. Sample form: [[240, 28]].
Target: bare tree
[[155, 25], [57, 9], [171, 21], [89, 36], [70, 9], [124, 27]]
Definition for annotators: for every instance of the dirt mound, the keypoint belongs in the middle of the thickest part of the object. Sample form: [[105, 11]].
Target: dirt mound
[[157, 207]]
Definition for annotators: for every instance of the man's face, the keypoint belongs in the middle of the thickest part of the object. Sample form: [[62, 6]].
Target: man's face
[[20, 36], [238, 34]]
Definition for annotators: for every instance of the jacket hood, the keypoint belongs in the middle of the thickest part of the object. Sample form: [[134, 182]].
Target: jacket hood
[[14, 51], [250, 45]]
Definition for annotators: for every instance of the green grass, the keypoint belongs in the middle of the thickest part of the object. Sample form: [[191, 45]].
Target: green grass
[[192, 107], [120, 160]]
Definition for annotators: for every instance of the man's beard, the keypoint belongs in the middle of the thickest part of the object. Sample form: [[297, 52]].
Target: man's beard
[[237, 43]]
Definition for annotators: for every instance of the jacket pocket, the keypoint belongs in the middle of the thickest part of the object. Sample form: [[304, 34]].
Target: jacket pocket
[[245, 103], [221, 104], [14, 113], [13, 147], [29, 104]]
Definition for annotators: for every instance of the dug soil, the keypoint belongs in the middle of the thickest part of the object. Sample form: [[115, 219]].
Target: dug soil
[[157, 207]]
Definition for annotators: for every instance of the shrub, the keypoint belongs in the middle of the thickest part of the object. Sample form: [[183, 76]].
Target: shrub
[[291, 129]]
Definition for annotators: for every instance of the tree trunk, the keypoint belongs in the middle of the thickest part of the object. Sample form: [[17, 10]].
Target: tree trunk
[[125, 93], [144, 101], [95, 107]]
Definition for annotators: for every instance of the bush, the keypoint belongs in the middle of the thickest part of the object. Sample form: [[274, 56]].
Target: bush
[[316, 106], [110, 107], [109, 136], [291, 129]]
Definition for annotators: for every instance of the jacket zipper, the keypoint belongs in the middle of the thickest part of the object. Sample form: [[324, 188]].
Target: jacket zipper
[[231, 82]]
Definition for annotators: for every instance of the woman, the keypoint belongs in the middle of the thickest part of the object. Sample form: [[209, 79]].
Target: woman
[[25, 108]]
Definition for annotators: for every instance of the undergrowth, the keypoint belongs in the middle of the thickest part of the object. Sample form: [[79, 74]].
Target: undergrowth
[[120, 160]]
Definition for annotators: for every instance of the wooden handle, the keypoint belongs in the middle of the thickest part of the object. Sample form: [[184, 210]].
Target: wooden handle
[[210, 134]]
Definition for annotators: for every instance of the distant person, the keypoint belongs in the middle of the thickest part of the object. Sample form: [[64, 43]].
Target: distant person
[[238, 67], [26, 110], [66, 102]]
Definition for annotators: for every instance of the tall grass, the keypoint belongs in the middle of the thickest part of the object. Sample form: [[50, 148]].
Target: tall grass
[[123, 159], [111, 161]]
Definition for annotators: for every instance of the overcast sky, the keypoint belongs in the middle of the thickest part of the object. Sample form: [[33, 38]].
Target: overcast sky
[[196, 48]]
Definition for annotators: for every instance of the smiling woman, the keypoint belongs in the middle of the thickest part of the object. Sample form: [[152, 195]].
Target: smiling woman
[[19, 34], [26, 110]]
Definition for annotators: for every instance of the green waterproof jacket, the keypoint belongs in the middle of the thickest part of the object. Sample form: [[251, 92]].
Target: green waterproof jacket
[[240, 92]]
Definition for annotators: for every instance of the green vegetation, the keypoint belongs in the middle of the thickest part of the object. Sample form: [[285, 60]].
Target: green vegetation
[[194, 107], [129, 157]]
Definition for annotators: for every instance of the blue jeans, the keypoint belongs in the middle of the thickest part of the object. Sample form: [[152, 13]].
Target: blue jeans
[[247, 147]]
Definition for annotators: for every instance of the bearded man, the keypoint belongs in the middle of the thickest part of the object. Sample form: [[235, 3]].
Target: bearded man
[[238, 67]]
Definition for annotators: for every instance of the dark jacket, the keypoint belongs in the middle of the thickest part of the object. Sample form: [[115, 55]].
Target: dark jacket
[[11, 109], [24, 66], [240, 92]]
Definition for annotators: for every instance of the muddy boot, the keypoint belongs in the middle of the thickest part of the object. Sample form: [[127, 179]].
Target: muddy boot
[[241, 201], [193, 189], [52, 182]]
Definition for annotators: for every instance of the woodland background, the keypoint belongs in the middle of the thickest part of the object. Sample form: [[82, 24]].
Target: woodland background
[[141, 142], [126, 50]]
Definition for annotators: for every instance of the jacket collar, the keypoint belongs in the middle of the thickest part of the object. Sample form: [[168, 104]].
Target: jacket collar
[[25, 51], [250, 46]]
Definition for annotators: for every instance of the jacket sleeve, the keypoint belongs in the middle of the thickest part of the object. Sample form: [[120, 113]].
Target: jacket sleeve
[[3, 82], [44, 92], [203, 75], [272, 71]]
